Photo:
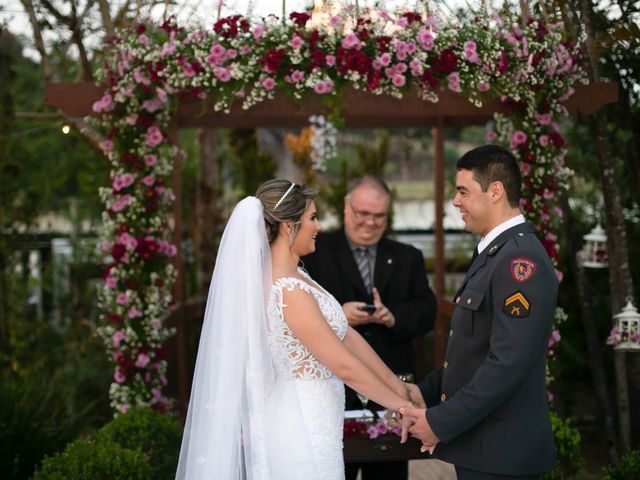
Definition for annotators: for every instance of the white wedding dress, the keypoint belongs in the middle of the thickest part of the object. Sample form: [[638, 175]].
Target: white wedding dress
[[305, 411]]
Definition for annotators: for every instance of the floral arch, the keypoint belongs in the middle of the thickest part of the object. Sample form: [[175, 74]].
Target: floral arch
[[526, 73]]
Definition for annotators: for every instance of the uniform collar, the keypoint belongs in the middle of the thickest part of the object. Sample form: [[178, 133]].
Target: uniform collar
[[496, 231]]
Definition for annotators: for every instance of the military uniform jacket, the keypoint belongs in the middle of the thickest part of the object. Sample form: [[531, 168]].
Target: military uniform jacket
[[401, 280], [488, 403]]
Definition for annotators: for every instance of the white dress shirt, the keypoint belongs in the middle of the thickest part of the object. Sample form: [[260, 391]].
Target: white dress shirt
[[493, 234]]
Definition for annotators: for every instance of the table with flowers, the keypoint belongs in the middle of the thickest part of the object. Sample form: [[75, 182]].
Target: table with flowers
[[372, 440]]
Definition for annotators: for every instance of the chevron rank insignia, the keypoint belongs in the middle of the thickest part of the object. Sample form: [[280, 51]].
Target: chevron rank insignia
[[517, 305], [522, 269]]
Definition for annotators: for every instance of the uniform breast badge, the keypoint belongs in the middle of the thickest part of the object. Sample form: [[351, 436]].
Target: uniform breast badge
[[517, 305], [522, 269]]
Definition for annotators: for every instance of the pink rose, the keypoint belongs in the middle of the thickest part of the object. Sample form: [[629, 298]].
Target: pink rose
[[482, 86], [544, 140], [106, 145], [258, 32], [351, 41], [154, 136], [331, 60], [118, 337], [297, 75], [149, 180], [517, 138], [399, 80], [296, 42], [144, 40], [425, 39], [525, 168], [110, 282], [232, 53], [490, 136], [152, 105], [134, 313], [385, 59], [269, 83], [122, 299], [454, 82], [150, 160], [223, 74], [119, 377], [142, 360]]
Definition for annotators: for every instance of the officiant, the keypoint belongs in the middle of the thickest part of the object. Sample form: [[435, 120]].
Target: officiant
[[382, 287]]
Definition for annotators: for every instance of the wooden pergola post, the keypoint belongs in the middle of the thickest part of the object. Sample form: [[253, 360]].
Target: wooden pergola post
[[442, 319]]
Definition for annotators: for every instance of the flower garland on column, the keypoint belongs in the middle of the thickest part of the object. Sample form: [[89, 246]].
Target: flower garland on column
[[149, 67]]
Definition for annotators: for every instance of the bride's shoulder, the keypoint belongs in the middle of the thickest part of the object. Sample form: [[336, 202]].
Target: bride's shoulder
[[290, 282]]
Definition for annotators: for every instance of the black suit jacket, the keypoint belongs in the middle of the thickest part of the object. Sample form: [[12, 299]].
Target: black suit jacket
[[401, 280], [488, 404]]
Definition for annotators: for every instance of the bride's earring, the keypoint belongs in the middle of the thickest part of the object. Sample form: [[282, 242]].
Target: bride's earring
[[292, 235]]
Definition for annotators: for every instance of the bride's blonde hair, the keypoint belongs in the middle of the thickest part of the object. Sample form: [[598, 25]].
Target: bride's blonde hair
[[284, 201]]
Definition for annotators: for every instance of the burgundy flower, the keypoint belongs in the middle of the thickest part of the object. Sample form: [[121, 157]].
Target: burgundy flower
[[544, 106], [144, 120], [299, 18], [373, 79], [118, 251], [446, 62], [412, 17], [503, 65], [429, 78], [557, 140], [146, 248], [273, 59], [314, 37], [162, 353], [107, 270], [514, 105], [159, 283], [141, 28], [132, 284], [229, 27], [383, 43], [114, 318], [318, 59]]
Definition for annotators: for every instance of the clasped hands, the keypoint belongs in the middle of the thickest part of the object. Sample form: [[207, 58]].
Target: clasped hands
[[414, 421], [356, 316]]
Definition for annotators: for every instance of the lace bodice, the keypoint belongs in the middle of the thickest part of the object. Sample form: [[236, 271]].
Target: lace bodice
[[290, 356]]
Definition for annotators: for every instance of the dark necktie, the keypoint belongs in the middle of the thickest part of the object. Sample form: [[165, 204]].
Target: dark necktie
[[362, 259], [475, 253]]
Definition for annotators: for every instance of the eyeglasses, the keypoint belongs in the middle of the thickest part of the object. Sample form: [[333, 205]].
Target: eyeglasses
[[361, 217]]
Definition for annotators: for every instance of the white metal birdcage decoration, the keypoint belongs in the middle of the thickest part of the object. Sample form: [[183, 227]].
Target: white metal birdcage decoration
[[626, 328]]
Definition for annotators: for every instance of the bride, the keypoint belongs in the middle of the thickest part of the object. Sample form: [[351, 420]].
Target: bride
[[267, 401]]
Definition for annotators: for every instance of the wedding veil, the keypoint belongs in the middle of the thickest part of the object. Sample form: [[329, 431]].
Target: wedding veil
[[224, 434]]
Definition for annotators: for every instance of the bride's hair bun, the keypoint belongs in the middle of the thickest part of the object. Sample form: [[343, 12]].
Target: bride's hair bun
[[290, 206]]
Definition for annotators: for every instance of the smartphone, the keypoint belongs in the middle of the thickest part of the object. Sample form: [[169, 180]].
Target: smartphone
[[370, 309]]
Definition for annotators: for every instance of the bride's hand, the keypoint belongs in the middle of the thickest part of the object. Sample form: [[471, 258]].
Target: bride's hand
[[415, 396]]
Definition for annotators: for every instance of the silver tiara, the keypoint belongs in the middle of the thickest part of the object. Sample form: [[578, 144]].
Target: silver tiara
[[284, 196]]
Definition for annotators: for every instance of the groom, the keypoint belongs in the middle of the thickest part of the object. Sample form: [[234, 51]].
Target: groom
[[487, 408]]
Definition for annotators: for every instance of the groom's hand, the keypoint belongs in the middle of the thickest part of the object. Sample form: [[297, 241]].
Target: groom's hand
[[416, 422]]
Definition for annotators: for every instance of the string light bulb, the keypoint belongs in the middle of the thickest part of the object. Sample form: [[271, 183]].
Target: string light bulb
[[66, 129]]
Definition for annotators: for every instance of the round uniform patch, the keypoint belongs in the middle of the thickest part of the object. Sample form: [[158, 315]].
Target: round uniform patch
[[522, 269]]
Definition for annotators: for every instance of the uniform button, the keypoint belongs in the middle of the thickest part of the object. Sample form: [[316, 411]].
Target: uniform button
[[446, 364], [443, 397], [521, 234], [458, 300], [468, 300], [451, 333]]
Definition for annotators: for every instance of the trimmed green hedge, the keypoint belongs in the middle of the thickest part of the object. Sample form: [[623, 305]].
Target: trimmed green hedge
[[91, 458], [139, 445]]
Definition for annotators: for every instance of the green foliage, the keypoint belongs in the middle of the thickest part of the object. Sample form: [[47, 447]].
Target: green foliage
[[249, 165], [90, 458], [155, 435], [567, 440], [629, 468], [37, 417]]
